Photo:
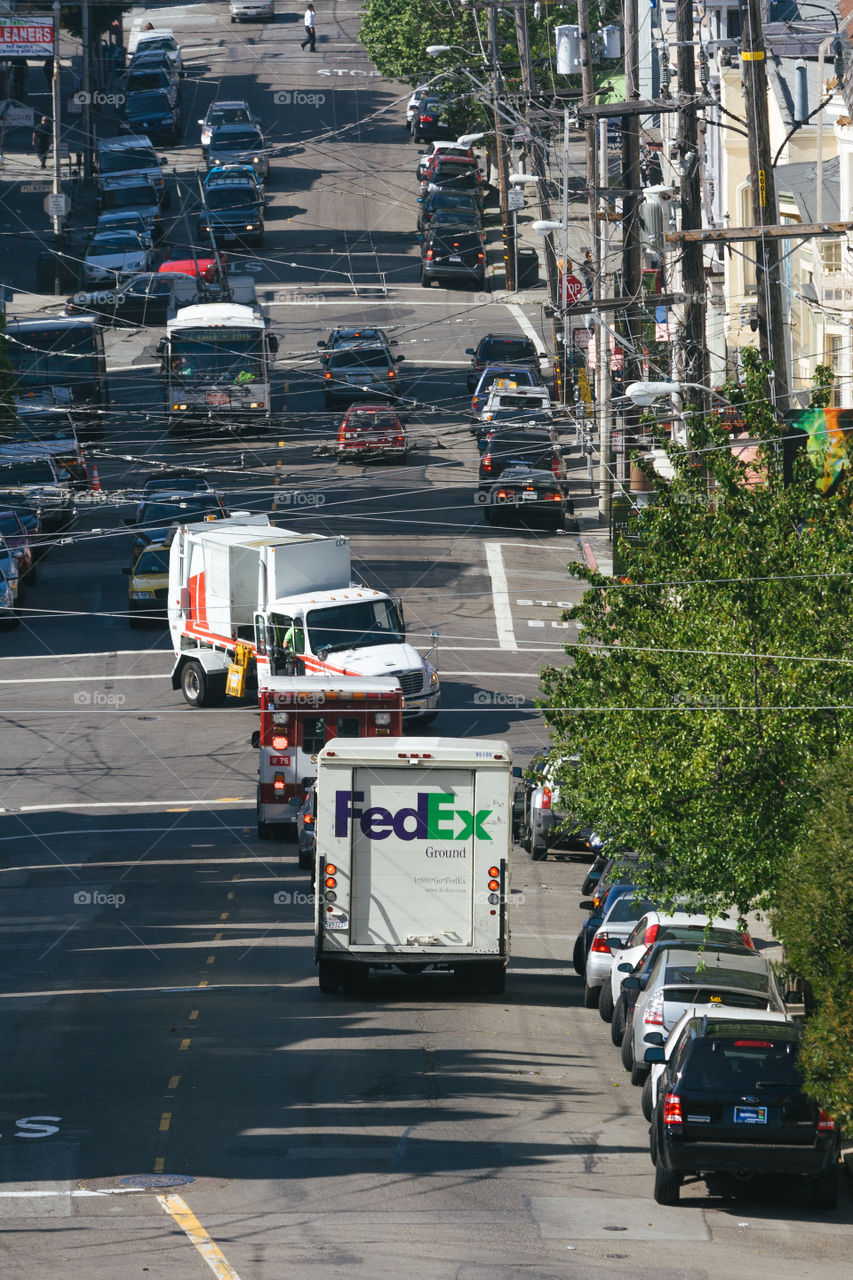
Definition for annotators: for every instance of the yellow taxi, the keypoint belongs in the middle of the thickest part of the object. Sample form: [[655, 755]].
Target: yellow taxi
[[148, 586]]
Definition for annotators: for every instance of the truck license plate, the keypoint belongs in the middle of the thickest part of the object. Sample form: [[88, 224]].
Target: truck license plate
[[281, 760], [750, 1115], [332, 922]]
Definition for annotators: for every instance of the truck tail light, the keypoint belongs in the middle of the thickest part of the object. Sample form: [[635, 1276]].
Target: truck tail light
[[546, 797], [601, 944], [279, 743], [672, 1109], [278, 782], [825, 1123]]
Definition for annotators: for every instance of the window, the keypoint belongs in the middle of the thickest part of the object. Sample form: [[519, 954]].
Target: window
[[313, 734], [833, 359], [349, 727], [830, 252]]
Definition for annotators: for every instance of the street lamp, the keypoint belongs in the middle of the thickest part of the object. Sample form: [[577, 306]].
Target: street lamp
[[543, 227]]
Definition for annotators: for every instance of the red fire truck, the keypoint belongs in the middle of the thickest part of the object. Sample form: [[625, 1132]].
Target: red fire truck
[[299, 715]]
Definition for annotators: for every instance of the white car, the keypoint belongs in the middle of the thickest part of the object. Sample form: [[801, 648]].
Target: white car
[[658, 926], [248, 10], [125, 220], [113, 255], [159, 38], [8, 616], [413, 104], [656, 1040], [622, 915], [9, 568]]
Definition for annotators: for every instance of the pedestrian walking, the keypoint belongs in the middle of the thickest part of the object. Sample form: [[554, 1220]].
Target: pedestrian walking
[[310, 35], [587, 271], [42, 138]]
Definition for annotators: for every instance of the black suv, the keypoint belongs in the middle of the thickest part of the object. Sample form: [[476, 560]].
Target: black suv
[[457, 204], [232, 213], [153, 112], [500, 348], [453, 253], [731, 1101], [536, 447]]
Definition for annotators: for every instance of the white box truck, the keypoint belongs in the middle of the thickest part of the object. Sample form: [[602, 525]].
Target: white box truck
[[413, 841], [247, 598]]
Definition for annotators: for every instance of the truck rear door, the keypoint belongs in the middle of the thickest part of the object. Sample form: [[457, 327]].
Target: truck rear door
[[412, 858]]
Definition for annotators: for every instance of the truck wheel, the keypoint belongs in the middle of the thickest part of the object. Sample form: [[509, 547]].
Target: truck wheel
[[667, 1185], [265, 831], [354, 977], [329, 977], [199, 688], [605, 1002]]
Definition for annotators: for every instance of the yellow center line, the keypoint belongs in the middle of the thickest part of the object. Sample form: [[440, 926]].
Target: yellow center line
[[193, 1015], [230, 893], [165, 1121], [174, 1081], [203, 982], [196, 1234], [210, 960], [224, 915], [159, 1164], [184, 1045], [217, 937]]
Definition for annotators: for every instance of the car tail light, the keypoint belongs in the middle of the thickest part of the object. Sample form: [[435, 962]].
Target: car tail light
[[400, 440], [601, 944], [486, 464], [546, 797], [555, 467], [505, 494], [481, 256], [327, 376], [429, 255], [392, 373], [308, 819], [552, 497], [653, 1017], [825, 1123], [747, 941], [651, 934], [753, 1044], [672, 1109]]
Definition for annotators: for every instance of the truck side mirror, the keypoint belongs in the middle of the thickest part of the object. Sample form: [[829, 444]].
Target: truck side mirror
[[255, 740], [161, 347]]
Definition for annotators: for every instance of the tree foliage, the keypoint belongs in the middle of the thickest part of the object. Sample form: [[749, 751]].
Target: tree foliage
[[710, 683], [814, 921], [101, 17]]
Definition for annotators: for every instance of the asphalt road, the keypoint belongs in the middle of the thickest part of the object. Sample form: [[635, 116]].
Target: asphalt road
[[163, 1033]]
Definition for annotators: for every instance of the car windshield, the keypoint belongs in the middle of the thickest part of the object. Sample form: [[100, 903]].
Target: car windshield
[[24, 473], [698, 975], [141, 197], [157, 513], [149, 101], [461, 218], [245, 140], [223, 197], [157, 42], [359, 359], [761, 1058], [371, 422], [127, 158], [150, 78], [449, 200], [354, 626], [507, 400], [627, 909], [227, 115], [115, 242], [152, 562]]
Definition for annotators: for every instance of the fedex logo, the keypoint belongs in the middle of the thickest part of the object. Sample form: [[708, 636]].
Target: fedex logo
[[432, 818]]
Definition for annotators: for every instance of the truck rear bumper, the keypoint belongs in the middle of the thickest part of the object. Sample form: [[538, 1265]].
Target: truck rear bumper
[[387, 959]]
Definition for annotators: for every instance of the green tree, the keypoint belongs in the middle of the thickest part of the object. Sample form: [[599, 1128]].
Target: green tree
[[101, 17], [821, 393], [710, 683], [814, 921]]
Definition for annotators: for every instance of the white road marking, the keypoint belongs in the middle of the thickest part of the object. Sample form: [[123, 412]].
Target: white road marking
[[525, 326], [131, 368], [196, 1234], [126, 804], [500, 597]]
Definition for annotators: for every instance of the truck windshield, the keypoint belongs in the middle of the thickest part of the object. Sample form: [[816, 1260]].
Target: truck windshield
[[216, 355], [354, 626]]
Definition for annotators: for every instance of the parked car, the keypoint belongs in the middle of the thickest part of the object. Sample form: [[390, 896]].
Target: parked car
[[306, 820], [506, 396], [359, 371], [33, 483], [414, 103], [159, 38], [232, 212], [232, 111], [143, 300], [649, 1097], [616, 923], [9, 568], [371, 432], [732, 1102], [239, 144], [444, 148], [146, 76], [155, 112], [112, 256], [14, 534], [536, 447], [428, 119], [455, 173], [451, 253], [598, 908], [9, 616], [252, 10], [526, 496], [148, 584], [677, 981], [132, 194], [131, 156], [464, 207], [548, 823], [500, 348], [521, 375]]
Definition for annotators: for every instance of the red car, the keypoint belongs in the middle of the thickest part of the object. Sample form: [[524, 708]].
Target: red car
[[371, 431], [204, 267]]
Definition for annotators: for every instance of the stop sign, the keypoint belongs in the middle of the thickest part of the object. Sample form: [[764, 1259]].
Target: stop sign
[[571, 290]]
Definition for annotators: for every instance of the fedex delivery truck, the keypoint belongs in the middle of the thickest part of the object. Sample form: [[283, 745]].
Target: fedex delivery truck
[[413, 840]]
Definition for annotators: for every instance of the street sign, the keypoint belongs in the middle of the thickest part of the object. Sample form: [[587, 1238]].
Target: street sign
[[614, 133], [36, 188], [515, 200], [64, 151], [571, 289], [581, 338], [57, 205], [16, 115], [30, 39]]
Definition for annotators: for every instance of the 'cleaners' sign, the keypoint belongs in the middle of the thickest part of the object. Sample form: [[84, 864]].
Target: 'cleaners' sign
[[32, 39], [434, 817]]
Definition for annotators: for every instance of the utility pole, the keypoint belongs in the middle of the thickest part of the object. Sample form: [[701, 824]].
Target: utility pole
[[632, 264], [87, 90], [692, 264], [519, 13], [771, 322], [55, 100], [500, 145], [602, 368]]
